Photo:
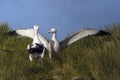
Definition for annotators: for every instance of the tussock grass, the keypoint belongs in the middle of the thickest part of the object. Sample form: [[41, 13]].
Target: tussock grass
[[91, 58]]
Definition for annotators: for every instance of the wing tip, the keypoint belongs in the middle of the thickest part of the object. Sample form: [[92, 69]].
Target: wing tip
[[103, 33], [12, 33]]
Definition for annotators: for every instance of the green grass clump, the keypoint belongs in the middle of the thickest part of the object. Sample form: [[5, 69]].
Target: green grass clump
[[91, 58]]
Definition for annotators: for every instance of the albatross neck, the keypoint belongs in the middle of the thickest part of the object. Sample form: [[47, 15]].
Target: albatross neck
[[54, 36], [36, 40], [35, 31]]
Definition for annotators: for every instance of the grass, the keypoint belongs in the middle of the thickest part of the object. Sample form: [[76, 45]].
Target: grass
[[91, 58]]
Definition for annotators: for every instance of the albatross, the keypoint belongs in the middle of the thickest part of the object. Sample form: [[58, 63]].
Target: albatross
[[56, 47], [53, 46], [36, 49]]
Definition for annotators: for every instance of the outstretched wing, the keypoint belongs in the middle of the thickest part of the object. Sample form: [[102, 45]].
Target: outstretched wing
[[43, 40], [22, 33], [81, 34], [28, 33]]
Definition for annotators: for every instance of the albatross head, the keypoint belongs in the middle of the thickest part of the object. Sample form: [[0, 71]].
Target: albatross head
[[36, 26], [52, 30]]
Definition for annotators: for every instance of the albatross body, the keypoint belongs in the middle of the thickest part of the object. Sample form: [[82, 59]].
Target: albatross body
[[53, 45]]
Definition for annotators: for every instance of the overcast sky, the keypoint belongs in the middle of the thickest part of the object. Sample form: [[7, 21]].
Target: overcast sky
[[66, 15]]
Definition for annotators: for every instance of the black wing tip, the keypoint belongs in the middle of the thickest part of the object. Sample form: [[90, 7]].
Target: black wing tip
[[12, 33], [103, 33]]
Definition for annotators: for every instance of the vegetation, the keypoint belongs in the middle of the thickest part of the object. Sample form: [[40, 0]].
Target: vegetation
[[91, 58]]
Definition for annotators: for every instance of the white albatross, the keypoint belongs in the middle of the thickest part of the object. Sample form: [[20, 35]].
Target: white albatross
[[56, 47], [36, 49]]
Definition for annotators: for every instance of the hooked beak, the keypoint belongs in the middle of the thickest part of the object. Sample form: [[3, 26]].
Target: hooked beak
[[49, 31]]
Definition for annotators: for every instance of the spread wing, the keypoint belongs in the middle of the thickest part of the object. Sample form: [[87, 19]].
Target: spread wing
[[43, 40], [81, 34], [22, 33], [28, 33]]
